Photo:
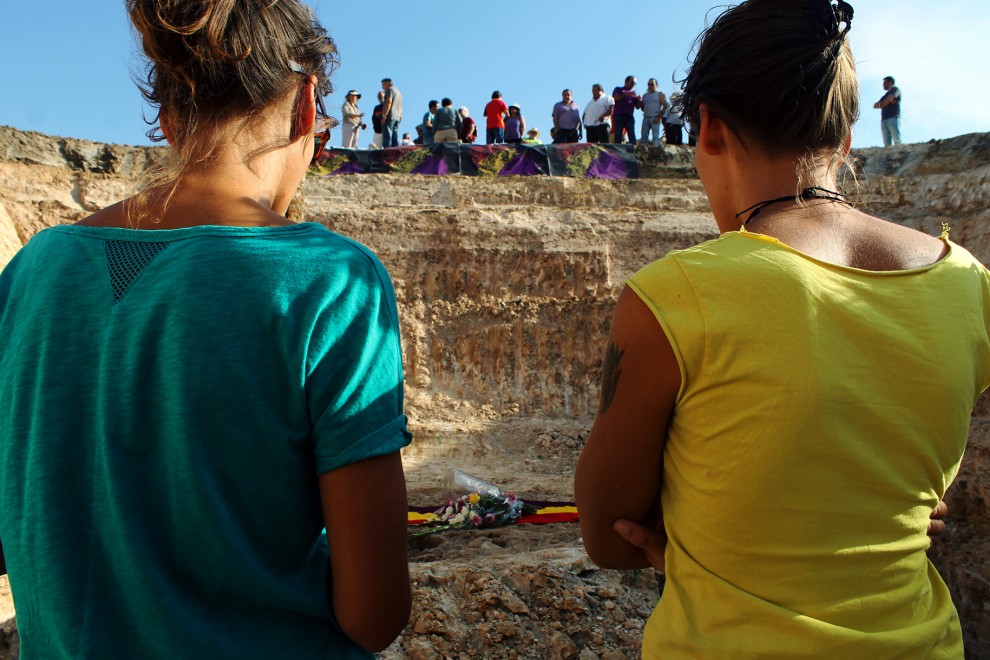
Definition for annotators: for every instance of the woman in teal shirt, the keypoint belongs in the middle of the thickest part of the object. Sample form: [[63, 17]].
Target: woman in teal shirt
[[194, 386]]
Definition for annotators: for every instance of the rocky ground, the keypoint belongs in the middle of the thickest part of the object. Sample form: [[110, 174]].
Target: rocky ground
[[505, 288], [520, 591]]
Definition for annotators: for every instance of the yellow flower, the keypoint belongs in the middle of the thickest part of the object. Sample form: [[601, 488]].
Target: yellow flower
[[474, 498]]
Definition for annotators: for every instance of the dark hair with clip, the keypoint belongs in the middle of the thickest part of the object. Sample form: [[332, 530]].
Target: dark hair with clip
[[779, 72], [829, 18]]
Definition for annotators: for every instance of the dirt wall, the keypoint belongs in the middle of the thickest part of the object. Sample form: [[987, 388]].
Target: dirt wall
[[505, 288]]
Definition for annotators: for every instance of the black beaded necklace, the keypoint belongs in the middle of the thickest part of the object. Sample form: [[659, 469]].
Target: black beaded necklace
[[813, 192]]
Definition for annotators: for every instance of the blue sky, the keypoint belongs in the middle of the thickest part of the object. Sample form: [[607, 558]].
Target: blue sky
[[66, 67]]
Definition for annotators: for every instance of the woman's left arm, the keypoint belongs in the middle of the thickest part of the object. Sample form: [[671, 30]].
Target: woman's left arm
[[618, 475], [365, 512]]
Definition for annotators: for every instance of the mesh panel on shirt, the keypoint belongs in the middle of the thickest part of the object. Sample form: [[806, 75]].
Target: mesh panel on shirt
[[125, 262]]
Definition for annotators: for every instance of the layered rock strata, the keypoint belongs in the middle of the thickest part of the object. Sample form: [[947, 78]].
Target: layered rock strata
[[505, 288]]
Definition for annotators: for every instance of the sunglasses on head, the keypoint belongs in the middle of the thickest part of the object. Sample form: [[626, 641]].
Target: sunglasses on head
[[324, 122], [321, 129]]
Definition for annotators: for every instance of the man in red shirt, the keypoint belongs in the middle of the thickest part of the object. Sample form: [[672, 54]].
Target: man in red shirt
[[495, 112]]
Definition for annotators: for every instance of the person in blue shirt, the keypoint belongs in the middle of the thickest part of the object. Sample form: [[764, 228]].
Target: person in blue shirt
[[889, 106], [428, 129], [202, 407]]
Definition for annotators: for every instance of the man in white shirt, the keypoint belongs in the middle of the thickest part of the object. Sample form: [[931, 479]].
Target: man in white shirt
[[596, 115]]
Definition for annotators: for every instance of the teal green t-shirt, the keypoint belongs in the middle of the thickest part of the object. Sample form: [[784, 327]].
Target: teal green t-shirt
[[167, 402]]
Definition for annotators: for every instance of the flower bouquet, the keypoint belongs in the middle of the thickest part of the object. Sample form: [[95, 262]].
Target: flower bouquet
[[485, 506]]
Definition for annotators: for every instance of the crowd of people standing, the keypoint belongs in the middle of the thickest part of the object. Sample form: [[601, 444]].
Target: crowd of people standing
[[605, 119]]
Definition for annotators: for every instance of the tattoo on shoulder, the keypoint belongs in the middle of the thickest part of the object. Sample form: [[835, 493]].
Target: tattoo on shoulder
[[610, 376]]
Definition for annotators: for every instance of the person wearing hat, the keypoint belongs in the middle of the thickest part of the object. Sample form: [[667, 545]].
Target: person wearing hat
[[515, 125], [352, 124], [532, 136]]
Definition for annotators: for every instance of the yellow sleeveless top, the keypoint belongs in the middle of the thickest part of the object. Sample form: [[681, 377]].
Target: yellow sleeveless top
[[822, 414]]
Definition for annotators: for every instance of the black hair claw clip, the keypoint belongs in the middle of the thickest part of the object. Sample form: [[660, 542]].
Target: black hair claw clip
[[828, 15]]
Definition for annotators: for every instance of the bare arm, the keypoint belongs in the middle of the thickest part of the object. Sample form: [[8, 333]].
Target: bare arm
[[619, 472], [885, 100], [364, 508]]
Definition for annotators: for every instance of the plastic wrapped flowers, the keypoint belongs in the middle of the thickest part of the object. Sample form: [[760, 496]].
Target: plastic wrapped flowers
[[486, 506]]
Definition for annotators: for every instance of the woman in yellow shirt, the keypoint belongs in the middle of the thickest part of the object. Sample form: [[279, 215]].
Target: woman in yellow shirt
[[786, 404]]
